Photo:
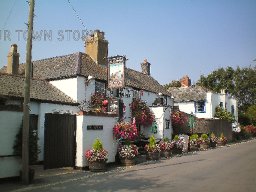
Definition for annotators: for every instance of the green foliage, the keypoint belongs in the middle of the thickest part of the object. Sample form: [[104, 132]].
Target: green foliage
[[204, 136], [152, 141], [251, 114], [172, 84], [33, 146], [176, 138], [224, 114], [166, 139], [212, 135], [239, 82], [194, 137], [243, 134], [97, 145]]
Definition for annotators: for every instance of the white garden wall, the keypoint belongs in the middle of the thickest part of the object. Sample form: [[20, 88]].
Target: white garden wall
[[10, 122], [85, 138], [162, 114]]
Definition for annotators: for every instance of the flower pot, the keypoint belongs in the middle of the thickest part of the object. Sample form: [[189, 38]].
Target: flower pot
[[193, 148], [221, 143], [97, 166], [177, 150], [213, 144], [128, 161], [204, 146], [141, 158], [165, 154], [154, 155]]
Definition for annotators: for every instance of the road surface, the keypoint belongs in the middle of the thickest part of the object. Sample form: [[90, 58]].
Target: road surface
[[226, 169]]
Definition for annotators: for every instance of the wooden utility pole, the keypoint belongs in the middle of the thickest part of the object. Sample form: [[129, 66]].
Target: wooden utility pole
[[25, 130]]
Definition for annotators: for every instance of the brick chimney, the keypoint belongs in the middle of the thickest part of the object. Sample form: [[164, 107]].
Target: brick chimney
[[97, 47], [185, 81], [13, 60], [145, 67]]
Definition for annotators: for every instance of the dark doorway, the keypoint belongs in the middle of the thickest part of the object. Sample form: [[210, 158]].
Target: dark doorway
[[59, 140]]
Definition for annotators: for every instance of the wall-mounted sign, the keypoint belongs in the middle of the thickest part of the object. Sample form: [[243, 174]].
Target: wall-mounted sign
[[94, 127], [116, 73]]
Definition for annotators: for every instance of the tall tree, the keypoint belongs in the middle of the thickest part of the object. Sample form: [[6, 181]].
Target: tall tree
[[239, 82], [173, 83]]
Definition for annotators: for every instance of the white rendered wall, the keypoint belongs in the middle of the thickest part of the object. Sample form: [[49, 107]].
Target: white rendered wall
[[77, 88], [161, 115], [212, 101], [10, 122], [85, 138], [146, 96], [67, 86]]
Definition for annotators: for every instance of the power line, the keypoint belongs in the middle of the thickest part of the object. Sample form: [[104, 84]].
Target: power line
[[76, 13], [10, 13]]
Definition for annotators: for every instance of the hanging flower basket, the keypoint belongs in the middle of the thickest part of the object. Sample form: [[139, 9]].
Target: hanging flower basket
[[142, 113]]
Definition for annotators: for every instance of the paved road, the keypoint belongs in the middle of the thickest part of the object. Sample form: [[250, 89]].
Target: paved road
[[227, 169]]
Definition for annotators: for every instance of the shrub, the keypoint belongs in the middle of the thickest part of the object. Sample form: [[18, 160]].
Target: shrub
[[250, 129], [152, 146], [34, 150]]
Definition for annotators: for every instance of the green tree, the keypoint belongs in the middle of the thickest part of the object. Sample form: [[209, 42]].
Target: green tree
[[173, 83], [223, 114], [251, 113], [239, 82]]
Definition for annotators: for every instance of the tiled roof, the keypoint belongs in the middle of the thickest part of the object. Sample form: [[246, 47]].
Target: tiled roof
[[185, 94], [13, 85], [82, 64]]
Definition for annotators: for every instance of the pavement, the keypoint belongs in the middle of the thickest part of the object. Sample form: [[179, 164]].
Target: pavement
[[228, 168]]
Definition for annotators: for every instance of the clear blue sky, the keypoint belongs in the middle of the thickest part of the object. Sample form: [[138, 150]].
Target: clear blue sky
[[178, 37]]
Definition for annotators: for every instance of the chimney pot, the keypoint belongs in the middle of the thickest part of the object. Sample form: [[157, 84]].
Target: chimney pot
[[185, 81], [97, 47], [13, 60], [145, 67]]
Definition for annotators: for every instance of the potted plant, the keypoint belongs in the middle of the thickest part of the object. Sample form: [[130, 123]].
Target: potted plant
[[97, 156], [127, 154], [193, 141], [204, 142], [178, 145], [213, 140], [166, 147], [153, 149], [222, 140]]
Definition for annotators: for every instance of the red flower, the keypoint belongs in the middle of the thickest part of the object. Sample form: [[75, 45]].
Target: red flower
[[142, 112], [125, 130]]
